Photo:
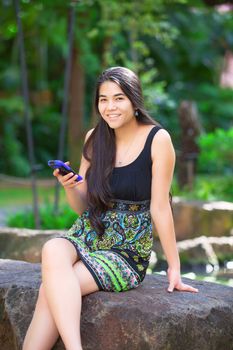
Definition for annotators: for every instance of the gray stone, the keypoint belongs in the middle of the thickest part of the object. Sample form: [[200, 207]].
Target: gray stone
[[24, 244], [196, 218], [201, 250], [206, 249], [147, 318]]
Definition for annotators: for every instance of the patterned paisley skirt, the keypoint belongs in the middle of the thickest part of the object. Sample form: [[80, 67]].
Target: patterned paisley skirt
[[117, 261]]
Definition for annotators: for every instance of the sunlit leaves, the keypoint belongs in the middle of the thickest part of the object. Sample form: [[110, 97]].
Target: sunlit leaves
[[216, 151]]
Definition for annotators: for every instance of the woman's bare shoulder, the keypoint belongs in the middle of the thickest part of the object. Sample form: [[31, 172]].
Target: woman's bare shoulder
[[162, 144], [162, 137], [88, 134]]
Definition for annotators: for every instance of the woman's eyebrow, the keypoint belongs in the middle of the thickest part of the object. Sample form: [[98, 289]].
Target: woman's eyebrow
[[119, 94]]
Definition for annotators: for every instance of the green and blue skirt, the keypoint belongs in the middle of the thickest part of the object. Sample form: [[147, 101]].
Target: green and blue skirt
[[119, 259]]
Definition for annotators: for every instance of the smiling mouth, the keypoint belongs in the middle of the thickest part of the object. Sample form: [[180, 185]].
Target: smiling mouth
[[113, 116]]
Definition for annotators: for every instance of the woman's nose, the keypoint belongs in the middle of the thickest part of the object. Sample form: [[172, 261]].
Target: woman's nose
[[111, 105]]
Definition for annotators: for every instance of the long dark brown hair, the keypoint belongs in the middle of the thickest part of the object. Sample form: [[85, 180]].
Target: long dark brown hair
[[100, 148]]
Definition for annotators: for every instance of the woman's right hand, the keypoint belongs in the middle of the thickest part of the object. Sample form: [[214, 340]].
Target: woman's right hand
[[68, 180]]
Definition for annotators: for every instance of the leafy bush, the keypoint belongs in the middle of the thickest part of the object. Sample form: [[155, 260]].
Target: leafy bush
[[215, 105], [216, 154], [207, 188], [49, 220]]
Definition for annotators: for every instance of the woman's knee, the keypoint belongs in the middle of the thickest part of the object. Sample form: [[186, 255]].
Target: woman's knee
[[49, 251], [57, 251], [41, 296]]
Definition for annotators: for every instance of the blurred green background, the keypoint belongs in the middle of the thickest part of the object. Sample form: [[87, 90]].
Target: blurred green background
[[183, 53], [181, 50]]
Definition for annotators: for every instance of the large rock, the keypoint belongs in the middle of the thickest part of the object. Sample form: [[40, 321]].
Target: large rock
[[196, 218], [147, 318], [26, 244], [206, 249]]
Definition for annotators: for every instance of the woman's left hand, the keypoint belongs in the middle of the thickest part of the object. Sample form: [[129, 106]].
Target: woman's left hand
[[175, 282]]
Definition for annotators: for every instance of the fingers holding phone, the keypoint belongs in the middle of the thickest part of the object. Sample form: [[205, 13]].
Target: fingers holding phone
[[57, 172], [65, 174], [69, 180]]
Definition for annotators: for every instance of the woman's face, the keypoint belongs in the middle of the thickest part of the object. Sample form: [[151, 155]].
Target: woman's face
[[114, 106]]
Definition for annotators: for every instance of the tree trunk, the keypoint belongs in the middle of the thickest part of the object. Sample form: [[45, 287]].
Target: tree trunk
[[226, 79], [190, 129], [76, 110], [103, 49]]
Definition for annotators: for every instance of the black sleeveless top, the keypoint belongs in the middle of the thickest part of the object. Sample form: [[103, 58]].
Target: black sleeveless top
[[132, 182]]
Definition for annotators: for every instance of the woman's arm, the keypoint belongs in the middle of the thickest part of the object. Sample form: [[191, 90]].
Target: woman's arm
[[163, 158], [76, 192]]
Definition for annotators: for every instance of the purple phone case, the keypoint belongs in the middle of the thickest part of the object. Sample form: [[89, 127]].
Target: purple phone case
[[63, 168]]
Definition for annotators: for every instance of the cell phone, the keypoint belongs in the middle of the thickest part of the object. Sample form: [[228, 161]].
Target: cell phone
[[63, 168]]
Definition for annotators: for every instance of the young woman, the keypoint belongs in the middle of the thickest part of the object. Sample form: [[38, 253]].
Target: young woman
[[127, 166]]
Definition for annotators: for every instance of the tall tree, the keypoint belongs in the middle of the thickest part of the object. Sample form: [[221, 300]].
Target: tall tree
[[76, 107]]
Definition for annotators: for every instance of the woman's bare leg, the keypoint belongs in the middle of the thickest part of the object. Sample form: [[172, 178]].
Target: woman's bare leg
[[42, 333], [63, 290], [86, 280], [43, 326]]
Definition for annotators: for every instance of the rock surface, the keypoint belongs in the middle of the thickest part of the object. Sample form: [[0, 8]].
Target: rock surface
[[196, 218], [26, 244], [191, 218], [147, 318], [206, 249]]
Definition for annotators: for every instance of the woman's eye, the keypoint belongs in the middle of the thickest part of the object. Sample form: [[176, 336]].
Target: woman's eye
[[119, 98], [102, 100]]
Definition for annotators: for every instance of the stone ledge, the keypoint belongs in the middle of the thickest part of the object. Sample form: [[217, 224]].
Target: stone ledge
[[26, 244], [147, 318], [194, 218]]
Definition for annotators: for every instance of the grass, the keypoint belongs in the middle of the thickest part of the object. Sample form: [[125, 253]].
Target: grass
[[17, 196], [205, 188], [20, 199], [64, 219]]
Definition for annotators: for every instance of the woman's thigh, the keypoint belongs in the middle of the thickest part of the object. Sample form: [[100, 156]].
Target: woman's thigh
[[59, 251], [86, 280]]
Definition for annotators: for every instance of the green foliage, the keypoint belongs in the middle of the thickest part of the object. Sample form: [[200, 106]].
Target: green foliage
[[16, 163], [49, 220], [176, 47], [13, 159], [216, 154], [207, 188], [191, 66], [215, 105]]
